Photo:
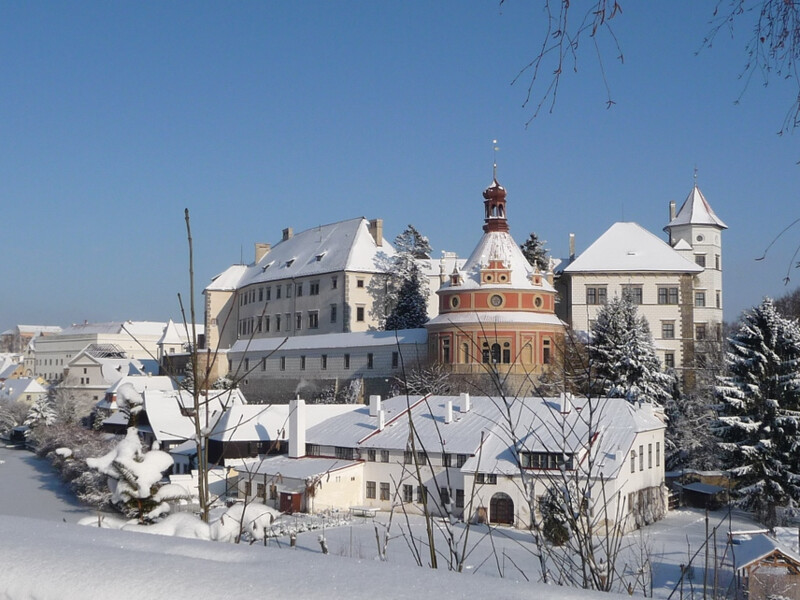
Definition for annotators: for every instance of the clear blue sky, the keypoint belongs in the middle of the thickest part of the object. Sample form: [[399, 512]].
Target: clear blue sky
[[115, 116]]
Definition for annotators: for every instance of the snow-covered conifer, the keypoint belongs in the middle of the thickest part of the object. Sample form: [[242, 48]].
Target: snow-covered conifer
[[535, 252], [41, 413], [623, 356], [406, 293], [759, 403]]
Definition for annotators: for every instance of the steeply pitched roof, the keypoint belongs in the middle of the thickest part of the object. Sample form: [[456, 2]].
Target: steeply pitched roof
[[343, 246], [628, 247], [696, 211]]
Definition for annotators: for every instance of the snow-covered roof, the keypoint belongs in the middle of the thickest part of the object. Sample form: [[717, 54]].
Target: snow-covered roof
[[177, 334], [269, 422], [141, 383], [7, 368], [498, 245], [168, 411], [342, 246], [487, 318], [296, 468], [757, 547], [133, 328], [13, 389], [628, 247], [696, 210], [362, 339], [37, 329]]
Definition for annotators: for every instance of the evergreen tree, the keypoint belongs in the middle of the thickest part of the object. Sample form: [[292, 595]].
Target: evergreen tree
[[406, 290], [623, 356], [41, 413], [759, 403], [411, 310], [536, 253]]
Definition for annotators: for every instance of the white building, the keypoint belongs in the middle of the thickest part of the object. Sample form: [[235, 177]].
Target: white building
[[478, 458], [677, 286]]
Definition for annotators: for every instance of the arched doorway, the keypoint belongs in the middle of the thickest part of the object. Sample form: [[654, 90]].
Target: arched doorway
[[501, 509]]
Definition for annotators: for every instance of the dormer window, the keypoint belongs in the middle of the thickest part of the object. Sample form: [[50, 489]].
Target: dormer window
[[267, 266], [320, 255], [289, 262]]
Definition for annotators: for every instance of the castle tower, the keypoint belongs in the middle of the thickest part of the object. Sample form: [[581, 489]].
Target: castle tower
[[497, 309]]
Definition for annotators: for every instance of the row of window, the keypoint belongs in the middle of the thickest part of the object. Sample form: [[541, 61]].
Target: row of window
[[264, 294], [546, 460], [267, 323], [640, 456], [598, 294], [323, 362], [411, 493], [700, 260], [701, 331], [494, 353]]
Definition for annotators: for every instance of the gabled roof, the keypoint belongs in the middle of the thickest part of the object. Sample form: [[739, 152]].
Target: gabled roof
[[270, 422], [629, 247], [343, 246], [13, 389], [133, 328], [696, 211], [167, 411], [758, 547], [177, 333]]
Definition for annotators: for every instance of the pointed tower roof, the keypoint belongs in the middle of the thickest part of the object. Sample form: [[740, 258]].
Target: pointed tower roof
[[696, 211]]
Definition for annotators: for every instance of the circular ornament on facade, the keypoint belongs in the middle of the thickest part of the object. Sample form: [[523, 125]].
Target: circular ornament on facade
[[537, 302], [496, 300], [700, 238], [454, 302]]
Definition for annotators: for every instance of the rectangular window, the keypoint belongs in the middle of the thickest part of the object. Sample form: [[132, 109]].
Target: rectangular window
[[444, 496], [460, 460], [264, 363], [384, 491], [596, 295], [333, 313], [700, 260], [717, 262], [700, 299], [246, 364], [273, 492], [641, 457], [278, 292], [370, 360], [371, 454], [298, 320], [546, 352], [344, 453], [633, 461], [261, 490], [395, 360], [268, 293], [371, 490], [667, 295], [422, 457], [283, 363], [632, 293], [313, 450], [323, 362], [360, 314], [248, 488], [408, 493], [447, 460], [649, 456], [669, 360], [288, 321], [718, 299], [459, 498], [408, 457], [346, 361], [288, 290], [422, 494], [313, 288], [302, 363], [359, 283], [313, 319], [668, 330], [266, 323], [658, 454], [299, 289], [260, 294], [334, 282], [700, 331], [277, 322], [384, 456]]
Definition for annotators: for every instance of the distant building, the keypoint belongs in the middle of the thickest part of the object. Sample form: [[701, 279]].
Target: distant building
[[16, 339], [22, 389], [677, 286]]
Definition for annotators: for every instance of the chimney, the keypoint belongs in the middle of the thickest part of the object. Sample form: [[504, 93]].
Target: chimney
[[381, 420], [571, 247], [464, 402], [566, 402], [297, 428], [671, 211], [261, 250], [448, 412], [376, 231], [287, 234], [374, 405]]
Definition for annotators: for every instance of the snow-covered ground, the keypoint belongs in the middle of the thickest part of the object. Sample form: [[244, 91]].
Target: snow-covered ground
[[42, 559]]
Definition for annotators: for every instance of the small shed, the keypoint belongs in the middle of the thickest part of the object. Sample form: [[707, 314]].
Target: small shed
[[765, 570], [703, 495]]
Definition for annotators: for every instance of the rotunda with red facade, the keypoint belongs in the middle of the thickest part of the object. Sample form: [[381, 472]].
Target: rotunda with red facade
[[497, 310]]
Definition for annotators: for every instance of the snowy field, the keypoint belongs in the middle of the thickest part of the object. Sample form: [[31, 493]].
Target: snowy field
[[44, 557]]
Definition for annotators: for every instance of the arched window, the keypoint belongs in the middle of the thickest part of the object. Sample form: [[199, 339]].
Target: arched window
[[465, 352], [485, 352], [507, 353], [495, 353], [446, 350]]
